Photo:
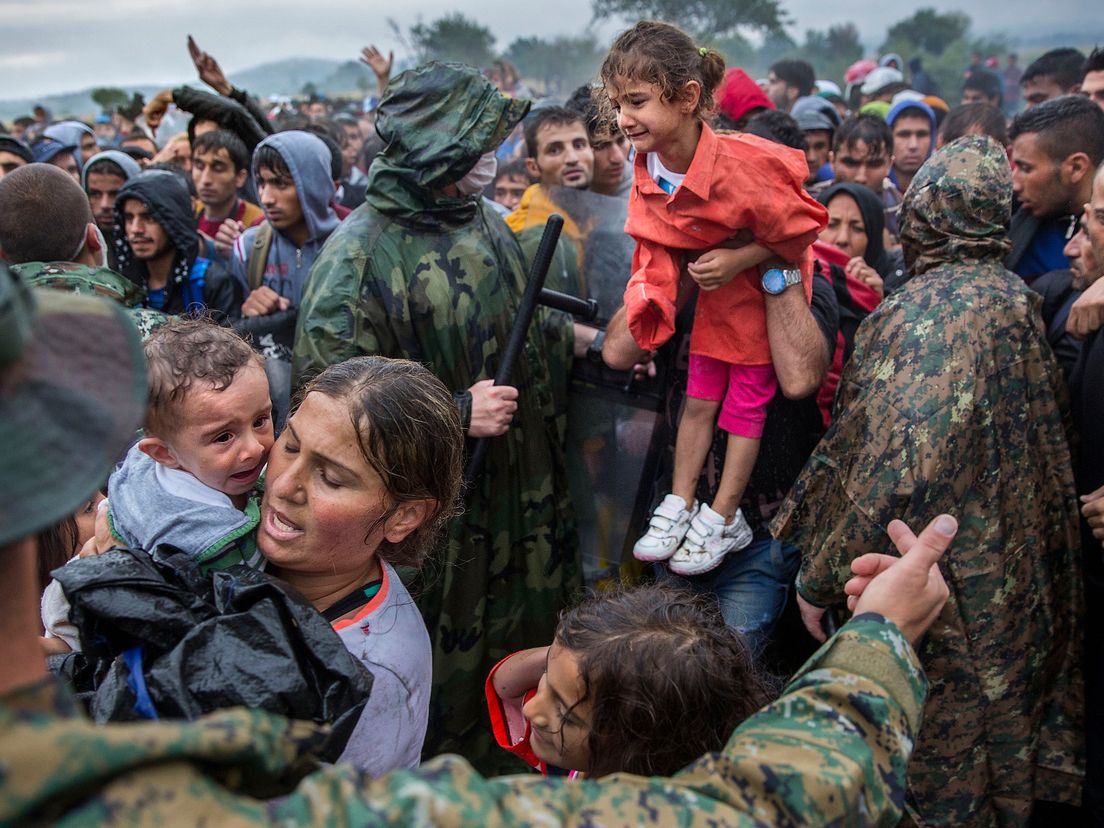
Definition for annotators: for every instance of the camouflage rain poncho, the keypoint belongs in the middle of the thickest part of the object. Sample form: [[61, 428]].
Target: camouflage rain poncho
[[415, 274], [950, 404]]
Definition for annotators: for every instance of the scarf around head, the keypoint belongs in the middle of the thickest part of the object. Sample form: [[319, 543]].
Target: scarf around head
[[958, 206], [872, 211]]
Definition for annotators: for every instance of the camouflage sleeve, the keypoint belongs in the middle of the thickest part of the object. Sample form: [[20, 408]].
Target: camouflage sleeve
[[329, 329], [832, 750]]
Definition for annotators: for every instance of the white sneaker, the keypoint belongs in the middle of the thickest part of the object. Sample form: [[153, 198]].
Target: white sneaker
[[666, 529], [708, 540]]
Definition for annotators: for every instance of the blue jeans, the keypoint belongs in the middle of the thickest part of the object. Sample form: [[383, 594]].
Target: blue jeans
[[751, 586]]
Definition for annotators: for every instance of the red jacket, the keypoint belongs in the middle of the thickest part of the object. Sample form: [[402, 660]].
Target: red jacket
[[735, 182]]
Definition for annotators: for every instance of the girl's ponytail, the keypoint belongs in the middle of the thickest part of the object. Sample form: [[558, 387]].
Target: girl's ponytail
[[712, 72]]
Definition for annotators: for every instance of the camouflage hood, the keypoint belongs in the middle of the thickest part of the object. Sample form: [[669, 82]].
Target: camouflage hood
[[958, 206], [437, 120]]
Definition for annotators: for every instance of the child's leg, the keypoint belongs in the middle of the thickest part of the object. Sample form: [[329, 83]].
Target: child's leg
[[692, 443], [671, 518], [738, 464], [750, 389], [721, 528]]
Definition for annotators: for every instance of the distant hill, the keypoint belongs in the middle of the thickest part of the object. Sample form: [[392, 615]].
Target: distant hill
[[281, 77]]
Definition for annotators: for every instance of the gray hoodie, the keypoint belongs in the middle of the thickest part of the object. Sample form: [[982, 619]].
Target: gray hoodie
[[125, 163], [145, 514], [287, 266]]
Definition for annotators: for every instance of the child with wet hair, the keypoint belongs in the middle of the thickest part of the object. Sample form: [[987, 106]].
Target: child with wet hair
[[642, 681], [716, 208]]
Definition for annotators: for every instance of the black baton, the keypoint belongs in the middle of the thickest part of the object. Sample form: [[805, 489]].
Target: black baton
[[538, 272]]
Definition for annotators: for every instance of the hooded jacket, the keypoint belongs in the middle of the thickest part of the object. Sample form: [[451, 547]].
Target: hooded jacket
[[193, 283], [895, 112], [124, 162], [287, 265], [951, 404], [417, 274]]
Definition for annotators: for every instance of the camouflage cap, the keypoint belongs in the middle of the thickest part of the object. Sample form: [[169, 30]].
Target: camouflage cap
[[72, 394]]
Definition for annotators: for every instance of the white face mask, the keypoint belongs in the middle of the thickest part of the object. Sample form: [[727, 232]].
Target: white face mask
[[480, 177]]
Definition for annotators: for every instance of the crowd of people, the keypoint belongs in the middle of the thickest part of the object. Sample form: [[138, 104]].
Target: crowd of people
[[259, 346]]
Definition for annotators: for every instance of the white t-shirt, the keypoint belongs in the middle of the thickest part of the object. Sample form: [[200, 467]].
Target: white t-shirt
[[389, 637], [668, 181]]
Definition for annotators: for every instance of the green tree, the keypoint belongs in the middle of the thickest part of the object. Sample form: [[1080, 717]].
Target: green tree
[[929, 30], [706, 19], [454, 37], [109, 98], [308, 90], [559, 65]]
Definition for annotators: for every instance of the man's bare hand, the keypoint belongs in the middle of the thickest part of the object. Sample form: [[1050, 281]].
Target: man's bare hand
[[208, 68], [263, 301], [1087, 313], [227, 234], [812, 617], [492, 410], [379, 64], [910, 590], [1093, 511]]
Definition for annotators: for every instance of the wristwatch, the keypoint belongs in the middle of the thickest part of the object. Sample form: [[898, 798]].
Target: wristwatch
[[594, 350], [777, 280]]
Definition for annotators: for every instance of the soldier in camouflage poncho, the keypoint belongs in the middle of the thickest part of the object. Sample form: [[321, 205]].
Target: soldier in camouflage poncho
[[93, 281], [950, 404], [436, 278]]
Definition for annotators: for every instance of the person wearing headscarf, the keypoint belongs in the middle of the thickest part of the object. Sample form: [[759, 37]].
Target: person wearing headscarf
[[951, 402], [871, 263]]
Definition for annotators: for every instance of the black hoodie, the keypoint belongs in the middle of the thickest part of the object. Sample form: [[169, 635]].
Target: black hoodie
[[194, 283]]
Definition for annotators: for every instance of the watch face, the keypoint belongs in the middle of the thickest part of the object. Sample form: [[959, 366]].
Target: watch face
[[774, 281]]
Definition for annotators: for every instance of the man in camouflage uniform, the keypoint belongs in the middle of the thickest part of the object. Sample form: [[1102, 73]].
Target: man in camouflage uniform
[[832, 750], [425, 272], [49, 236], [950, 403]]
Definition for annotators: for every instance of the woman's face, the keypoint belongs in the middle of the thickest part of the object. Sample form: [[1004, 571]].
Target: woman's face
[[846, 228], [559, 725], [321, 496], [86, 520]]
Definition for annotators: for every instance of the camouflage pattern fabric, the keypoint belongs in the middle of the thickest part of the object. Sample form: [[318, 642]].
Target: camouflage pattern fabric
[[93, 281], [832, 751], [416, 274], [951, 403]]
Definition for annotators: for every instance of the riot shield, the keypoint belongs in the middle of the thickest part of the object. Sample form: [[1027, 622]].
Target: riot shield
[[615, 428]]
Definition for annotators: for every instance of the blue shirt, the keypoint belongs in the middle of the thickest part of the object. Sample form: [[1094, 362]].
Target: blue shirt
[[157, 298], [1044, 254]]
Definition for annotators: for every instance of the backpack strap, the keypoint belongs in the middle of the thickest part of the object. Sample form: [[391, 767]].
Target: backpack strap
[[194, 287], [258, 255]]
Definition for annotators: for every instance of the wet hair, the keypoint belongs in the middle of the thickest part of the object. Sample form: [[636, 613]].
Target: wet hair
[[1065, 125], [582, 102], [56, 545], [408, 430], [660, 54], [870, 129], [515, 169], [796, 73], [222, 139], [195, 121], [779, 127], [548, 116], [267, 157], [1094, 62], [44, 214], [105, 166], [182, 352], [985, 82], [983, 116], [1062, 65], [649, 719]]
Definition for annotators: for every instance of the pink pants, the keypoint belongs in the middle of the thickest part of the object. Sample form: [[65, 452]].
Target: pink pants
[[745, 389]]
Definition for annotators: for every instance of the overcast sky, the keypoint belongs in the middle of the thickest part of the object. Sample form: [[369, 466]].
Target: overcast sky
[[49, 46]]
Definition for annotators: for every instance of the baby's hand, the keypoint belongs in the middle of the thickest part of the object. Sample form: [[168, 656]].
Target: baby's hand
[[720, 266]]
